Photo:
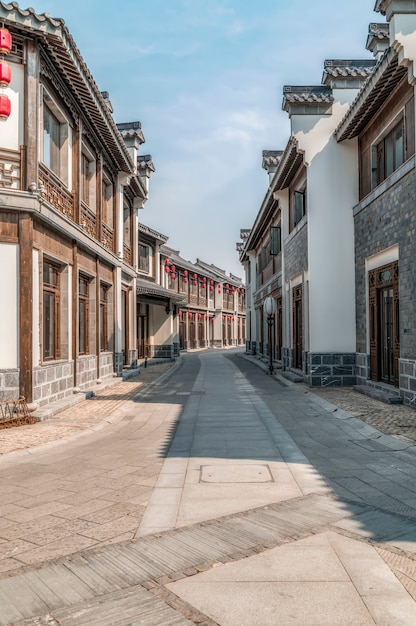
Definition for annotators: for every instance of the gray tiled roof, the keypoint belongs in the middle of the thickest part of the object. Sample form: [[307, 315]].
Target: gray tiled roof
[[145, 162], [271, 158], [307, 94], [345, 69], [381, 31]]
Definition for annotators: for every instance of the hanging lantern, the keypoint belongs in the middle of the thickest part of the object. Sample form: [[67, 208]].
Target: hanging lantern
[[227, 291], [229, 319], [199, 316], [167, 270], [167, 262], [195, 282], [185, 280], [180, 313], [211, 282], [190, 315], [204, 279], [206, 317], [232, 319], [172, 268], [211, 288], [185, 272], [5, 74], [195, 275], [5, 107], [212, 319], [5, 41], [173, 275]]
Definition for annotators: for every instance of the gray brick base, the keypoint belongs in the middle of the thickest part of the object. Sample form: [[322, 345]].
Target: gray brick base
[[330, 369], [407, 381], [52, 382], [9, 385]]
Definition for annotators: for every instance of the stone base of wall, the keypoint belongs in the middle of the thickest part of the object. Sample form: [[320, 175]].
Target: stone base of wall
[[118, 363], [407, 381], [162, 351], [176, 349], [86, 371], [52, 382], [362, 368], [9, 384], [132, 357], [330, 369], [106, 365]]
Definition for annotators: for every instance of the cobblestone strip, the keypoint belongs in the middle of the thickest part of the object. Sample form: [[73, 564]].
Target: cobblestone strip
[[403, 567]]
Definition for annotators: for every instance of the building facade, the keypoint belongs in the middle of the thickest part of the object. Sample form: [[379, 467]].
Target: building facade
[[333, 242], [69, 198]]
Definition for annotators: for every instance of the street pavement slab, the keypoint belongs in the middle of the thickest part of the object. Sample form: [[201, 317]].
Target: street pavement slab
[[222, 496]]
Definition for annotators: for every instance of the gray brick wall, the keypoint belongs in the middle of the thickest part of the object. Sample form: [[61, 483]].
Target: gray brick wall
[[390, 219], [296, 252]]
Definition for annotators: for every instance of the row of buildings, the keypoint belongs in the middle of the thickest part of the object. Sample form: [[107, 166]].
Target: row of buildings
[[86, 289], [333, 243]]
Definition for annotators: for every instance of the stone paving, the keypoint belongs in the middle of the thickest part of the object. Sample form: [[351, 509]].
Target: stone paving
[[218, 495]]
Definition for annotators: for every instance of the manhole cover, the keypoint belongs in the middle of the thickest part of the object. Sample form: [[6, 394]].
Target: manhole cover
[[235, 474]]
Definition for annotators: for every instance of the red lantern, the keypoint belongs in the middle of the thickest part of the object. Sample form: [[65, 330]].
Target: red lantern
[[5, 74], [204, 279], [229, 319], [199, 316], [185, 272], [5, 107], [190, 315], [172, 268], [211, 288], [227, 291], [211, 282], [232, 319], [195, 275], [5, 41], [212, 319], [206, 317], [195, 282], [167, 262], [185, 280], [173, 275], [167, 270], [180, 313]]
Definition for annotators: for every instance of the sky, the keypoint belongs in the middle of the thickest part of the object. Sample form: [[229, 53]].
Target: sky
[[205, 79]]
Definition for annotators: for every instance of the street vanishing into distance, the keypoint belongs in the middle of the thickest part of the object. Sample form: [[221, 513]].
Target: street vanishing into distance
[[217, 495]]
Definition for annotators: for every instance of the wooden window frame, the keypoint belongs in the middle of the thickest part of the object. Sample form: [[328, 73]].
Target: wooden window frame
[[83, 303], [144, 260], [104, 290], [384, 152], [51, 290]]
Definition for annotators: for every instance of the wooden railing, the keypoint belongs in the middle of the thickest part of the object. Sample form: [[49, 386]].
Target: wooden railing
[[107, 237], [55, 192], [127, 256], [88, 220]]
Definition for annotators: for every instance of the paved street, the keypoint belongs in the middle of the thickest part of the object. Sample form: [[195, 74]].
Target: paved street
[[218, 495]]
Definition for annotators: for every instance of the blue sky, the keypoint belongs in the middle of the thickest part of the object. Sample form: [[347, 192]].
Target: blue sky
[[205, 79]]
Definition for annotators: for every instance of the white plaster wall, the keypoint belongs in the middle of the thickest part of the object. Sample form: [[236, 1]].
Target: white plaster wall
[[9, 311], [11, 136], [332, 192], [161, 326]]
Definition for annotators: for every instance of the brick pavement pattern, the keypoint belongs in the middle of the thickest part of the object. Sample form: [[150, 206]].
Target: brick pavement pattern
[[72, 503]]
